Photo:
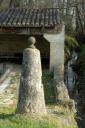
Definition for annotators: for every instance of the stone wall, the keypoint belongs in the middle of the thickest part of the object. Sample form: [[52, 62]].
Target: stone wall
[[10, 44], [13, 44], [56, 49], [57, 63]]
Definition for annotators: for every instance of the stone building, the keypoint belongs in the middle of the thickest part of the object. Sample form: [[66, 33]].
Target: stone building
[[16, 25]]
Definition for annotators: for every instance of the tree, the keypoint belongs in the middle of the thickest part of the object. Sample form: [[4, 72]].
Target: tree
[[14, 3]]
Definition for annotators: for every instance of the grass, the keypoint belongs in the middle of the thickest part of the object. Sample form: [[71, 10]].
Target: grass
[[24, 123], [13, 121], [8, 119], [58, 115]]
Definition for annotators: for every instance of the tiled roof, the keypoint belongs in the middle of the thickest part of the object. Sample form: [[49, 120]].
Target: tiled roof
[[15, 17]]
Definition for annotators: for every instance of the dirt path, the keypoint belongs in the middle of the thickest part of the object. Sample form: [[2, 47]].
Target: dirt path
[[4, 85], [5, 80], [9, 83]]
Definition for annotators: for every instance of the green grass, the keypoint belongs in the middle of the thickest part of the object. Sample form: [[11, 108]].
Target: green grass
[[54, 119], [13, 121], [8, 119]]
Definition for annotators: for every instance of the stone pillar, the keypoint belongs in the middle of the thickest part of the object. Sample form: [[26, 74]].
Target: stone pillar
[[57, 63], [31, 94], [56, 48]]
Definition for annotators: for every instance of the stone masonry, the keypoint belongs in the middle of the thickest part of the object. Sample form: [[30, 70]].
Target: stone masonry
[[31, 94], [57, 63]]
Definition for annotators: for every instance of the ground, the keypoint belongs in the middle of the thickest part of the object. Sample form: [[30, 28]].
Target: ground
[[58, 115]]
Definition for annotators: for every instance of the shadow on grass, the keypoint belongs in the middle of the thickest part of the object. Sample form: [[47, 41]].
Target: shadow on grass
[[6, 116], [49, 90], [10, 119]]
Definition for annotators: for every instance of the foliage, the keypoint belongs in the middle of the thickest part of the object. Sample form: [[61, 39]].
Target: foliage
[[70, 44]]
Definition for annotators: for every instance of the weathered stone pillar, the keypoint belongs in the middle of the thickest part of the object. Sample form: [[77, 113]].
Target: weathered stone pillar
[[56, 48], [31, 94], [57, 63]]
